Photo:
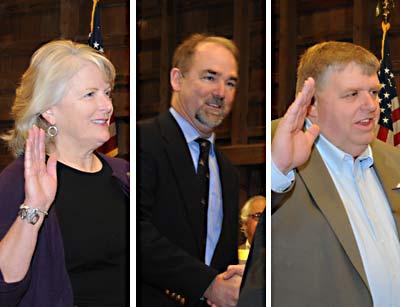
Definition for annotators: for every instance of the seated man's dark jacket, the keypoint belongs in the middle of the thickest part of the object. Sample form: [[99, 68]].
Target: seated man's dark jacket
[[253, 291]]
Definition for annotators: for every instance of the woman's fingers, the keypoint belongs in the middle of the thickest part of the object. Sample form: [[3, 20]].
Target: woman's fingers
[[41, 147], [36, 140], [35, 152], [28, 152]]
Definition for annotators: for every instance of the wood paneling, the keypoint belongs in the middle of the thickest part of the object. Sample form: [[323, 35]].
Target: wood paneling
[[248, 154], [308, 22], [287, 53], [163, 24]]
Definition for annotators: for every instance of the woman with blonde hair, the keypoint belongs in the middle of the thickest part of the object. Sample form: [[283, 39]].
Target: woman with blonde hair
[[63, 213]]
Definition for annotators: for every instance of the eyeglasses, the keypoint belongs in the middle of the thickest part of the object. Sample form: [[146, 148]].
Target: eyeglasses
[[255, 216]]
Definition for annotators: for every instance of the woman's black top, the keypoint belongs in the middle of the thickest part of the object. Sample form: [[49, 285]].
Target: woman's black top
[[93, 215]]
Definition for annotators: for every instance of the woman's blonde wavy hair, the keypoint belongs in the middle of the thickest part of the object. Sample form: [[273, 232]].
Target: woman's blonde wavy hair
[[45, 83]]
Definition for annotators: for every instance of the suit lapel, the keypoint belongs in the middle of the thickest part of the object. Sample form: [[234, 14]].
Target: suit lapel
[[328, 200], [389, 177], [184, 172]]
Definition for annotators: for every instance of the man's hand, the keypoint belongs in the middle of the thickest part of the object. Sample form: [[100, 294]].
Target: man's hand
[[223, 292], [291, 146], [236, 269]]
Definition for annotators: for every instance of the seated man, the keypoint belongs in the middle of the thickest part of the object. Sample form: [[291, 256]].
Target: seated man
[[334, 236], [249, 217]]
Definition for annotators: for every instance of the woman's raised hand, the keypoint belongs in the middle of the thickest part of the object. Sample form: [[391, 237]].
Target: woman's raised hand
[[40, 178]]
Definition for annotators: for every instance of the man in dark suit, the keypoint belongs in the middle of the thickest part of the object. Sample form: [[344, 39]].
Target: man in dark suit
[[335, 227], [188, 233]]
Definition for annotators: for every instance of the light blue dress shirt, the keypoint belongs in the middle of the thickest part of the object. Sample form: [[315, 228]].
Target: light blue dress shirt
[[215, 209], [370, 217]]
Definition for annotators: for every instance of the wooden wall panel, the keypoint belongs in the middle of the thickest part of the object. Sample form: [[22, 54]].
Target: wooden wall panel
[[163, 24], [333, 24], [21, 32], [342, 20], [215, 17], [27, 24], [256, 98]]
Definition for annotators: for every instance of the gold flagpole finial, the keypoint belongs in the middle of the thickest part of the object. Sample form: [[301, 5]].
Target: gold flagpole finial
[[383, 9], [93, 10]]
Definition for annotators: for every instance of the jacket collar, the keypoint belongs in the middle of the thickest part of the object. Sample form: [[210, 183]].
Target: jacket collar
[[328, 200]]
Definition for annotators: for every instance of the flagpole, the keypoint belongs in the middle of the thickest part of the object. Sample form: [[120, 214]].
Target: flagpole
[[95, 40], [385, 29], [93, 11]]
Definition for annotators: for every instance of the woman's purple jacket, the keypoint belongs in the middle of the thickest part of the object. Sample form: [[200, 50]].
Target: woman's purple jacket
[[47, 283]]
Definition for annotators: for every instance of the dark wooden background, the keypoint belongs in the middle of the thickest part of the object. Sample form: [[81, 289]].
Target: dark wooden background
[[162, 25], [25, 25], [299, 24]]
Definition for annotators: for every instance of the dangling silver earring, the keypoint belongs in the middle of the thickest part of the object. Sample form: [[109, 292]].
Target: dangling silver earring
[[52, 131]]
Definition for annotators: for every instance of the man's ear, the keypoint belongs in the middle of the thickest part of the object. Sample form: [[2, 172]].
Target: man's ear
[[313, 109], [49, 116], [175, 76]]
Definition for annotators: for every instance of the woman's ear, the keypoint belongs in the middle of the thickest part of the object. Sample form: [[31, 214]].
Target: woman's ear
[[175, 76], [49, 116]]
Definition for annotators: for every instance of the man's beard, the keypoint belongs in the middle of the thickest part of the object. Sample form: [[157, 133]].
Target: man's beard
[[218, 115]]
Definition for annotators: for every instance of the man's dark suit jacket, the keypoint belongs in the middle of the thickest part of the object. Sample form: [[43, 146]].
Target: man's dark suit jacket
[[253, 292], [315, 258], [170, 218]]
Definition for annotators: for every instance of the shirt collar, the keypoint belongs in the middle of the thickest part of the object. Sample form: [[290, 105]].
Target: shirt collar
[[336, 157], [188, 130]]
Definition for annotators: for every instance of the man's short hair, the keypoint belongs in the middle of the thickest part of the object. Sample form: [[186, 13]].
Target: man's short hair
[[183, 54], [320, 58]]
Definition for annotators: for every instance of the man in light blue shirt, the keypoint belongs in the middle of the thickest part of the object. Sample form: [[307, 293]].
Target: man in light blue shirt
[[187, 190], [335, 238]]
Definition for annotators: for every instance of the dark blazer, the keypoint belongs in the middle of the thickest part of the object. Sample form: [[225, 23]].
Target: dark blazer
[[172, 271], [47, 282], [253, 291], [315, 258]]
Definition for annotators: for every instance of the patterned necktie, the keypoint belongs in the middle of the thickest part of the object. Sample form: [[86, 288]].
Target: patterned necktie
[[203, 174]]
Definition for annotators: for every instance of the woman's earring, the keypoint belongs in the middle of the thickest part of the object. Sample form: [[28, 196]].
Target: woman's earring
[[52, 131]]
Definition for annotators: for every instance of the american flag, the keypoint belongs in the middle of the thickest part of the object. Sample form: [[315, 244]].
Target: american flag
[[110, 147], [389, 119], [95, 36]]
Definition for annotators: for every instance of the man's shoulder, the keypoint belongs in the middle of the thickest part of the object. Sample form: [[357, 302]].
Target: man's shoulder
[[383, 149], [155, 126], [161, 118], [274, 125], [149, 133], [147, 124]]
